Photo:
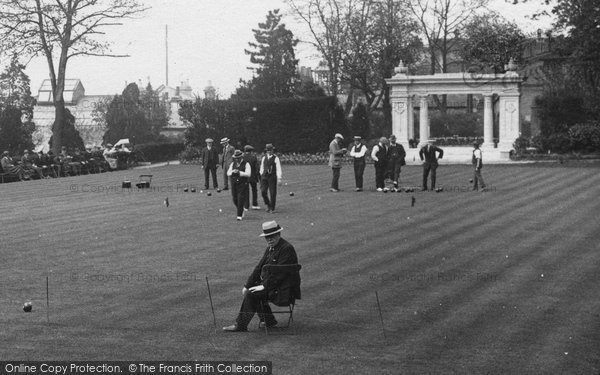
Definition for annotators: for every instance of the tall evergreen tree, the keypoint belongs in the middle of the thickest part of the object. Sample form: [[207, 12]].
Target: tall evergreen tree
[[16, 108], [275, 61]]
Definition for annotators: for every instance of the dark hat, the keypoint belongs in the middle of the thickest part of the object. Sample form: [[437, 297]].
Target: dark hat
[[269, 147], [238, 154], [248, 148], [224, 140], [270, 228], [392, 137], [357, 138], [475, 143]]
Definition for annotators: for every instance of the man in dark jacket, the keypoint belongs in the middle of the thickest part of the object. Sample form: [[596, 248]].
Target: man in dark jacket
[[429, 157], [397, 160], [261, 287], [209, 157], [380, 156]]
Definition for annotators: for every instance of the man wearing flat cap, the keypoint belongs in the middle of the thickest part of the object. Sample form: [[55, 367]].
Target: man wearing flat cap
[[358, 152], [336, 155], [262, 287], [209, 157], [250, 158], [270, 176], [239, 172], [226, 158]]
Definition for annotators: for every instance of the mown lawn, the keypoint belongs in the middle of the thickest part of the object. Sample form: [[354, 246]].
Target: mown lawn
[[500, 282]]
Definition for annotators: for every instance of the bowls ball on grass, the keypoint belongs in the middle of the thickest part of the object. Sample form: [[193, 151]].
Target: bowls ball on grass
[[27, 307]]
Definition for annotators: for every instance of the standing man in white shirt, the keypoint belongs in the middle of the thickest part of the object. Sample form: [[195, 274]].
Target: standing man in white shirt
[[380, 155], [270, 177], [239, 171], [478, 164], [358, 152]]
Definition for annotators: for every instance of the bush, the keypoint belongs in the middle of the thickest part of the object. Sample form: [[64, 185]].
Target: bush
[[159, 151], [521, 144], [585, 137], [559, 111], [557, 142]]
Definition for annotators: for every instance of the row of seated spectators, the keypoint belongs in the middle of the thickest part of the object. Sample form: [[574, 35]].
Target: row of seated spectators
[[42, 165]]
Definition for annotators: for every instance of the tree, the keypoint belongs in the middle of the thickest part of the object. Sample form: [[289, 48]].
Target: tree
[[16, 108], [60, 30], [359, 122], [489, 42], [134, 115], [442, 21], [274, 59], [326, 22]]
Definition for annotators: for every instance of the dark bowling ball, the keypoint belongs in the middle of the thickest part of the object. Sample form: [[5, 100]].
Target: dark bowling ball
[[471, 181], [185, 190], [193, 190], [209, 194], [218, 190], [291, 194], [27, 307]]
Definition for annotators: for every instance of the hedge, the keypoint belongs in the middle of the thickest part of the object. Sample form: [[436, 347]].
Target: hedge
[[159, 151]]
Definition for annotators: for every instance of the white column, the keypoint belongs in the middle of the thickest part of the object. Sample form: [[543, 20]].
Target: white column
[[400, 119], [411, 117], [509, 122], [423, 121], [488, 122]]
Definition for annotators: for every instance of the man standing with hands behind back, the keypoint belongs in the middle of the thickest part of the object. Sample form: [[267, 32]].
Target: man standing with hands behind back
[[428, 155], [270, 176], [336, 153], [210, 158]]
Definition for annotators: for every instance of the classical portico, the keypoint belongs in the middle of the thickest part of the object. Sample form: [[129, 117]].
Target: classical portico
[[406, 90]]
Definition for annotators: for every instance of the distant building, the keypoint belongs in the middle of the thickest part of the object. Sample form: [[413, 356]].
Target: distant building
[[174, 96], [81, 107]]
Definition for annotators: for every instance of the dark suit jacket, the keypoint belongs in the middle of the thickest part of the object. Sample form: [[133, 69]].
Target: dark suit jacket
[[430, 156], [279, 288], [212, 155], [254, 166]]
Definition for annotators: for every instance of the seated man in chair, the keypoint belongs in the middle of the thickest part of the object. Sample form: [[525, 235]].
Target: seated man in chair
[[261, 287]]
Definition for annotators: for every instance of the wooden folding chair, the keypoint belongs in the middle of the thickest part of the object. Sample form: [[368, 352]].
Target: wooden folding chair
[[291, 271]]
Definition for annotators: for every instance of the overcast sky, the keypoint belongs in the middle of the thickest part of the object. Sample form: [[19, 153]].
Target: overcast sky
[[206, 43]]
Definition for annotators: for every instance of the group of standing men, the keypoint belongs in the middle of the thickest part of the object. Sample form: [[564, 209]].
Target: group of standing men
[[245, 172], [388, 158]]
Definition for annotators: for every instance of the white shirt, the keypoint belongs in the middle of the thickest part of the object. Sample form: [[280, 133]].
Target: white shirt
[[245, 173], [277, 165], [359, 154], [477, 153], [375, 151]]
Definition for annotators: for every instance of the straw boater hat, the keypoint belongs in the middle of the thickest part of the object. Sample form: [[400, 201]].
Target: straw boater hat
[[338, 135], [270, 228], [224, 140], [357, 138], [208, 140], [238, 154]]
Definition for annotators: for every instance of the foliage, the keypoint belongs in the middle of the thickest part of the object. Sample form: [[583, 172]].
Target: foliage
[[60, 30], [489, 42], [134, 115], [292, 125], [275, 60], [159, 151], [585, 137], [71, 139], [16, 108], [359, 122], [557, 111], [521, 144]]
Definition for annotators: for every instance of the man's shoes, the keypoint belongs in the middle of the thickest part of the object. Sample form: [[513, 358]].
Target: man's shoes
[[385, 190], [272, 211], [245, 209], [225, 188], [256, 207], [270, 325], [379, 189], [239, 218], [334, 190], [234, 328], [483, 189], [359, 189]]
